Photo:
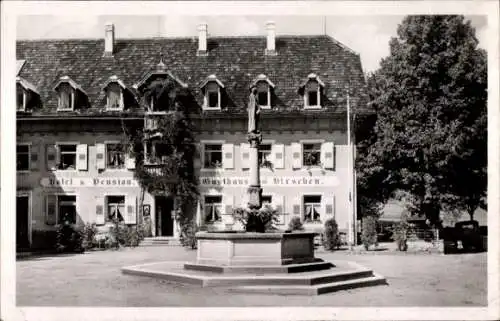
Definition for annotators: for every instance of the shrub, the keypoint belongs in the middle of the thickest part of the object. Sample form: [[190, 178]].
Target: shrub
[[295, 224], [44, 240], [69, 239], [401, 231], [88, 233], [331, 237], [188, 235], [124, 235], [369, 231]]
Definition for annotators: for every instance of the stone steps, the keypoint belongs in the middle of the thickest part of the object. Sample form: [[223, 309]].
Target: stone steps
[[312, 290], [160, 241], [314, 282]]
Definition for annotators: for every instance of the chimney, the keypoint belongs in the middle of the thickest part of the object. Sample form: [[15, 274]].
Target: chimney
[[109, 39], [202, 39], [271, 38]]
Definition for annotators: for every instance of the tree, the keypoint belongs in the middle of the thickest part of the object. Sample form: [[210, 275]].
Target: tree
[[428, 143]]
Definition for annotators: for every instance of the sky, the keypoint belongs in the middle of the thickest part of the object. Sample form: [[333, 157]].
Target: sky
[[367, 35]]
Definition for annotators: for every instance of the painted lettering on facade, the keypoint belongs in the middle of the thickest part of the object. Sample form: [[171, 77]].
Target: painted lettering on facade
[[270, 181], [88, 182]]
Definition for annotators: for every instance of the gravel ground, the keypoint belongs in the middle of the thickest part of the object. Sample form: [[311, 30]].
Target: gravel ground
[[94, 279]]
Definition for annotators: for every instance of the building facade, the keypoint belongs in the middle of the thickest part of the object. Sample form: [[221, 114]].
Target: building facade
[[75, 99]]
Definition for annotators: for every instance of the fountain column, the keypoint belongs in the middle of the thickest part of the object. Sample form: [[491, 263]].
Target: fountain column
[[254, 138]]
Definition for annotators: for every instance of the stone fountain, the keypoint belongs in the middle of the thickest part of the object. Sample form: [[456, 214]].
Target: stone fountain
[[276, 263]]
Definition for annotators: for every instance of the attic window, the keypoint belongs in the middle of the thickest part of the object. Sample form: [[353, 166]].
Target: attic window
[[66, 97], [211, 89], [264, 87], [114, 97], [263, 94], [68, 91], [312, 92], [21, 98], [25, 94]]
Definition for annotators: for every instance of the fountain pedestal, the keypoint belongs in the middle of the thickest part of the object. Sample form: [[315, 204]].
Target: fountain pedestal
[[249, 249]]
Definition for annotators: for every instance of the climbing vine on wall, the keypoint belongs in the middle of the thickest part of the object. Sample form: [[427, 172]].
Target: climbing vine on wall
[[164, 152]]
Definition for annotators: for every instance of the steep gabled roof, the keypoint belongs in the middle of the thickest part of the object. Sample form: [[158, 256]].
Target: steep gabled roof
[[237, 62]]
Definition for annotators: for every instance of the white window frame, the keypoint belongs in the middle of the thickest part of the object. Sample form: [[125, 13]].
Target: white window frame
[[206, 97], [71, 98], [25, 97], [303, 208], [58, 151], [220, 205], [107, 204], [203, 146], [57, 195], [121, 105], [311, 141], [114, 142], [268, 106], [29, 158], [318, 94]]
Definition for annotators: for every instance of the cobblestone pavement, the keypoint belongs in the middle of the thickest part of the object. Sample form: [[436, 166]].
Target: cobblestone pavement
[[95, 279]]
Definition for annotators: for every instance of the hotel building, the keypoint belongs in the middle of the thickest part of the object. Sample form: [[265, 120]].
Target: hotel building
[[74, 98]]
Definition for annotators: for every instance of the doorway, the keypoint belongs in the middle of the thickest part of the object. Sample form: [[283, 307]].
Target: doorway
[[22, 222], [163, 218]]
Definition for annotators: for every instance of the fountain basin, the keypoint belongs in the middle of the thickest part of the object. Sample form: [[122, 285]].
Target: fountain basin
[[259, 249]]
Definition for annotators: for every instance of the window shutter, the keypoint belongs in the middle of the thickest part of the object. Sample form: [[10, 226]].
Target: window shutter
[[279, 201], [278, 155], [296, 206], [82, 157], [130, 159], [100, 156], [228, 156], [330, 206], [227, 218], [34, 150], [99, 210], [51, 209], [197, 156], [130, 208], [328, 155], [52, 157], [296, 155], [245, 155]]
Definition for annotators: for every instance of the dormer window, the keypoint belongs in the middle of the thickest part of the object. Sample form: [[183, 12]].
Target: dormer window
[[264, 87], [211, 89], [114, 88], [25, 94], [67, 90], [312, 91]]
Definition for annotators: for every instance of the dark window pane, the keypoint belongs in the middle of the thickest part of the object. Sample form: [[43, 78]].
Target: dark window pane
[[262, 97], [313, 98], [213, 99]]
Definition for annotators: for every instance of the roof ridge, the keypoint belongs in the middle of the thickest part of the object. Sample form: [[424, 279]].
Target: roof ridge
[[178, 38]]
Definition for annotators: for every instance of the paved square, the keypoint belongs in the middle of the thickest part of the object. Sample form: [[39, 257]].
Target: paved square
[[95, 279]]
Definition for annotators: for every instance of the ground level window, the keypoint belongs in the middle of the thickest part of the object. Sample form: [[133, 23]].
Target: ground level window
[[23, 157], [116, 208], [67, 157], [212, 208], [312, 208], [212, 156], [66, 209], [311, 154]]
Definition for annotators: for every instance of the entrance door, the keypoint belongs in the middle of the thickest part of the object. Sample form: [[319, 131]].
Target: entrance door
[[164, 222], [22, 222]]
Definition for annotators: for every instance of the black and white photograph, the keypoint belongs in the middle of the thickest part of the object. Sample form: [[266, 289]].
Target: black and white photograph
[[299, 156]]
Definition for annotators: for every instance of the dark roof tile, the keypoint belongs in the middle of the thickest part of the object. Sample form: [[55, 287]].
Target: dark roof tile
[[236, 61]]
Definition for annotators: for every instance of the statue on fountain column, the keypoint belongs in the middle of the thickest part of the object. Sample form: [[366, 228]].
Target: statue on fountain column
[[253, 112]]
